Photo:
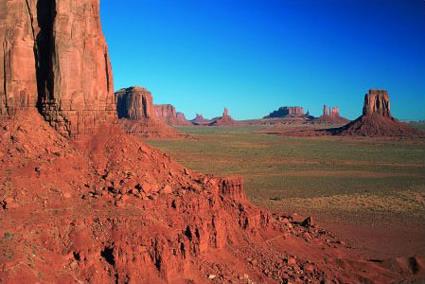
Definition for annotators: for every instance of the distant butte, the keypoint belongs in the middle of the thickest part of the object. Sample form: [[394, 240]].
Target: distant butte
[[284, 112], [168, 114], [138, 114], [223, 120], [376, 120]]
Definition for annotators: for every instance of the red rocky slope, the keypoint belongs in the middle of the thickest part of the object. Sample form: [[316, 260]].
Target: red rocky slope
[[109, 209]]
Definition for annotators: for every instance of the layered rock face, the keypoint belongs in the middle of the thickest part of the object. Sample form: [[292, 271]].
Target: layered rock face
[[377, 102], [54, 58], [135, 103], [286, 111], [169, 115]]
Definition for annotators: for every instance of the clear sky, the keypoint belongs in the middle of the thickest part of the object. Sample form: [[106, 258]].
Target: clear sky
[[253, 56]]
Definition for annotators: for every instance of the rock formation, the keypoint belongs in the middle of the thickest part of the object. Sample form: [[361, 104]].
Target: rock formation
[[138, 114], [376, 120], [54, 58], [110, 209], [168, 114], [223, 120], [331, 115], [200, 120], [283, 112], [107, 208], [135, 103]]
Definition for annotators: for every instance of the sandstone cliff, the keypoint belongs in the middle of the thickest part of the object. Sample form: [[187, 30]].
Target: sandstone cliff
[[138, 115], [169, 115], [135, 103], [54, 58]]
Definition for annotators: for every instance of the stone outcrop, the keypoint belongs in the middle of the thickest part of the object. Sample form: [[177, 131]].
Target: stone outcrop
[[54, 57], [135, 103], [138, 115], [169, 115], [376, 120], [223, 120], [330, 111], [331, 115], [283, 112]]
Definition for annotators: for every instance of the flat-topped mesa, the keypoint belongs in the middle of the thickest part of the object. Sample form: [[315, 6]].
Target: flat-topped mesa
[[135, 103], [286, 112], [169, 115], [138, 116], [377, 102], [54, 58]]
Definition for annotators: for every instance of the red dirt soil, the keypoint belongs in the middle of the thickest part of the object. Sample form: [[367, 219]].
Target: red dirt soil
[[106, 208]]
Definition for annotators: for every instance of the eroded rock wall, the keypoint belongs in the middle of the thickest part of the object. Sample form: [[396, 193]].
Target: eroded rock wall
[[377, 102], [54, 57], [135, 103]]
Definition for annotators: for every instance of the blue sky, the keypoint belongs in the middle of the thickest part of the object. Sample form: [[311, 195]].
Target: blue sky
[[253, 56]]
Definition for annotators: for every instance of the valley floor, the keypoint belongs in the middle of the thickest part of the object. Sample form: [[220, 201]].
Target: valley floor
[[370, 192]]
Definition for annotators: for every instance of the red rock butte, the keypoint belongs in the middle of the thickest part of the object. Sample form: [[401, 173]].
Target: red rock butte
[[376, 120], [54, 57], [138, 114], [377, 102], [286, 111], [169, 115]]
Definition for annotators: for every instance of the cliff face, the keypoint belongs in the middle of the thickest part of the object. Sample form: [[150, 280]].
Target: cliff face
[[169, 115], [377, 102], [135, 103], [54, 58], [138, 115]]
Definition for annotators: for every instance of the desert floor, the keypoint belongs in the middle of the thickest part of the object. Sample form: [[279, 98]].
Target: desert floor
[[370, 192]]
